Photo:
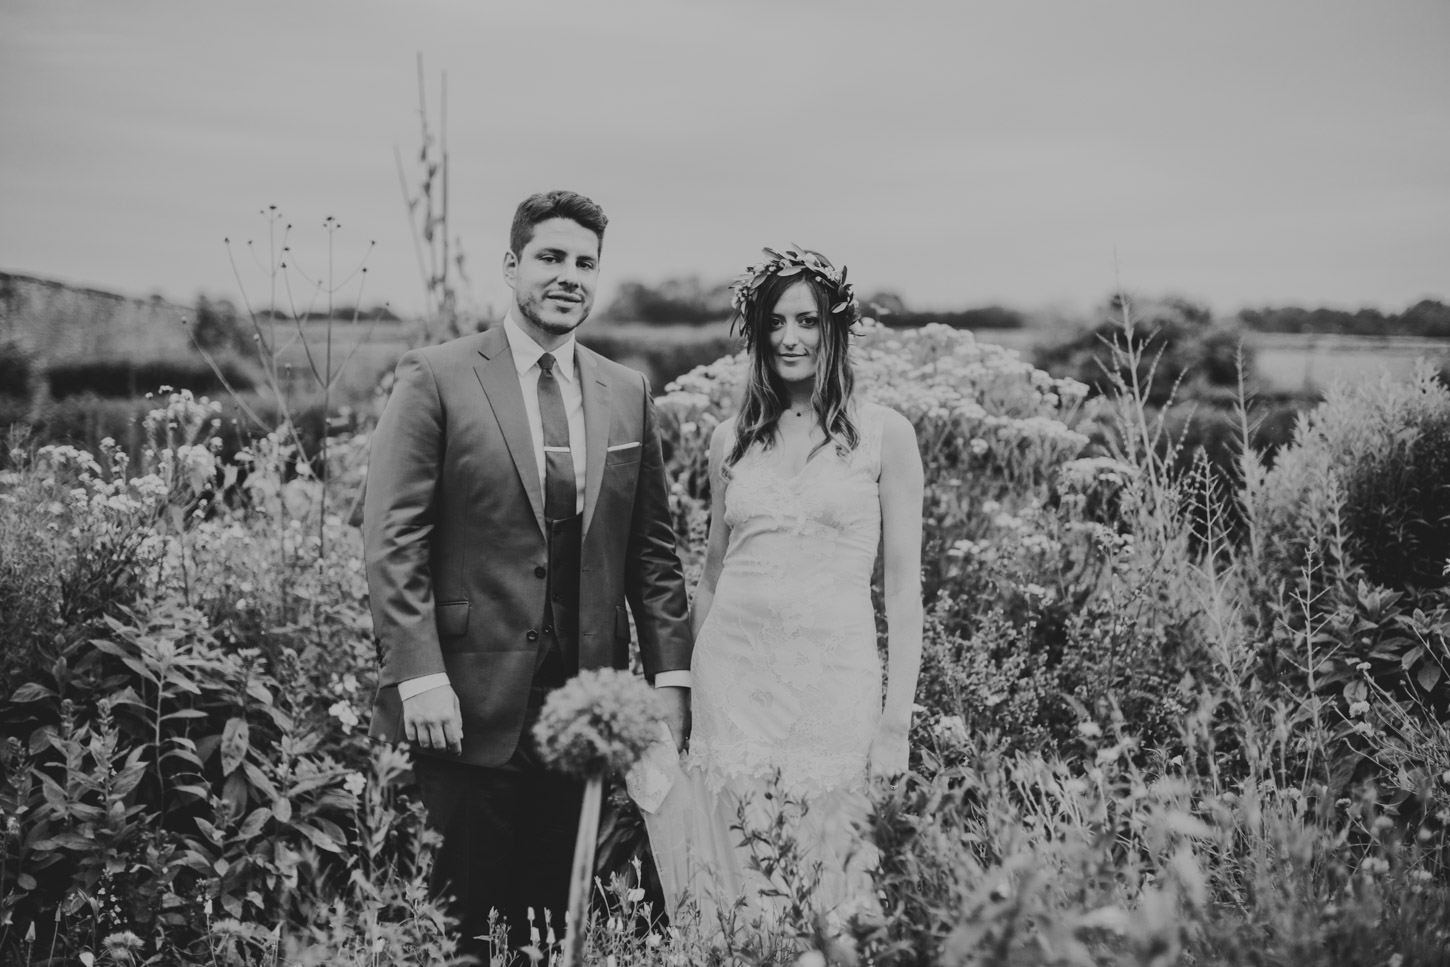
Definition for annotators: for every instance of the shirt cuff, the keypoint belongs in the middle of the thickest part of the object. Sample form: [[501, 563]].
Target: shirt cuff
[[417, 686], [674, 679]]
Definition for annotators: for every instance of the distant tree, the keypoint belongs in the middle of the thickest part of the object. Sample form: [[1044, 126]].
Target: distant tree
[[883, 304], [985, 317], [1190, 348], [217, 327], [1426, 318], [683, 300]]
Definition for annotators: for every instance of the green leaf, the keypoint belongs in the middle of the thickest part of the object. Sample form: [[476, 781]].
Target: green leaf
[[31, 692], [255, 822], [319, 839], [236, 741], [1428, 676], [260, 782], [25, 881]]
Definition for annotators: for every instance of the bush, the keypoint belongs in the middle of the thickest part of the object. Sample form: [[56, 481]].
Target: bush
[[1180, 351], [180, 710], [17, 367], [130, 378], [1371, 466]]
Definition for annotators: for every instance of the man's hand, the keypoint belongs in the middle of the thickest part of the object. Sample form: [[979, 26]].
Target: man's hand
[[431, 720], [677, 713]]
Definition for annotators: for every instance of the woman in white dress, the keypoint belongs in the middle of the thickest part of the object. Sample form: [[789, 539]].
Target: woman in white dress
[[806, 482]]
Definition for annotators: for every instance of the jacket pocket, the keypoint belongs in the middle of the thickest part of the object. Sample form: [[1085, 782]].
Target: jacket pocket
[[452, 618]]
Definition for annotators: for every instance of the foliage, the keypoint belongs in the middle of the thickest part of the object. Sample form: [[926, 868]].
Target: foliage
[[1426, 318], [182, 763], [1174, 342], [130, 378], [673, 301], [17, 368], [1147, 733]]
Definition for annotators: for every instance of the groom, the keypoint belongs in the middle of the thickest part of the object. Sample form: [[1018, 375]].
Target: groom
[[516, 498]]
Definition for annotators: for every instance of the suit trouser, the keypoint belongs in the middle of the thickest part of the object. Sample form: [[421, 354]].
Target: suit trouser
[[508, 840], [509, 831]]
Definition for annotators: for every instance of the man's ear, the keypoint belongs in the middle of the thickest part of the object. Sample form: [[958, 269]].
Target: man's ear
[[510, 268]]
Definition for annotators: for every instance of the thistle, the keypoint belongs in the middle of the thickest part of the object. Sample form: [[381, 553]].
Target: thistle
[[599, 722]]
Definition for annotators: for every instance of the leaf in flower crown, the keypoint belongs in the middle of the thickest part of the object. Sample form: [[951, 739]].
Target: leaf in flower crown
[[791, 270], [840, 306], [772, 253]]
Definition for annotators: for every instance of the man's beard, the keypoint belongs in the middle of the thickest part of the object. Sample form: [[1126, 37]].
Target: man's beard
[[552, 328]]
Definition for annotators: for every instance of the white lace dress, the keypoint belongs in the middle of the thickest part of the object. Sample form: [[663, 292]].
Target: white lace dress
[[787, 687]]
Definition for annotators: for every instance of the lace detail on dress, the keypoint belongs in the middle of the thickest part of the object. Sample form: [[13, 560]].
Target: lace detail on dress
[[786, 672]]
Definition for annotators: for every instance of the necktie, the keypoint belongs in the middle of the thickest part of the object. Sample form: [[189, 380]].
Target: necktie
[[560, 493]]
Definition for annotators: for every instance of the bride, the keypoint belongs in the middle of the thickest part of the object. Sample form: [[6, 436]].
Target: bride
[[806, 481]]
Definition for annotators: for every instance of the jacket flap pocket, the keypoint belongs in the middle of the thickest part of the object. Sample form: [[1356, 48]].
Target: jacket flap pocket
[[452, 617]]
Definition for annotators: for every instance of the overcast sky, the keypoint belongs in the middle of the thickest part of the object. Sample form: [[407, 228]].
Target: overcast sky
[[960, 153]]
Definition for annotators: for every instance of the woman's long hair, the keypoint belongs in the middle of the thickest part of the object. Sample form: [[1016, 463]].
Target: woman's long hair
[[765, 392]]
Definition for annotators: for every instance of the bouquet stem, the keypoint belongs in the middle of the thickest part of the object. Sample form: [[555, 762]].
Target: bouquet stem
[[581, 879]]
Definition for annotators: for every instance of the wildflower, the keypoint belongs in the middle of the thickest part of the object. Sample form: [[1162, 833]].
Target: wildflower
[[1359, 708], [811, 958], [950, 730], [1362, 666], [635, 895], [600, 721], [979, 446], [355, 783], [120, 946], [1089, 730], [343, 712]]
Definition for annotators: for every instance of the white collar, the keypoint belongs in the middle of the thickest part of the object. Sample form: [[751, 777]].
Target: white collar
[[526, 352]]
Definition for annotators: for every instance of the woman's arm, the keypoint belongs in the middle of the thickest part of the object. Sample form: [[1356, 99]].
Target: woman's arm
[[901, 498], [719, 530]]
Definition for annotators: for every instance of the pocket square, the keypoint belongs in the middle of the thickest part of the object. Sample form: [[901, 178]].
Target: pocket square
[[622, 446]]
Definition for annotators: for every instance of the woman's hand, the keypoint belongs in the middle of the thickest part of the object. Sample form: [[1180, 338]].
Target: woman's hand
[[890, 750]]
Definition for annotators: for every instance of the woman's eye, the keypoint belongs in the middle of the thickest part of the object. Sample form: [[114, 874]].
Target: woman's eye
[[809, 322]]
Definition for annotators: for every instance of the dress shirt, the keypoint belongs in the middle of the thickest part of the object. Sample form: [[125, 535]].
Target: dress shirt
[[526, 355]]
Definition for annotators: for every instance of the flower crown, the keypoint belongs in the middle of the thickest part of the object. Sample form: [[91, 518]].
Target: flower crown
[[794, 261]]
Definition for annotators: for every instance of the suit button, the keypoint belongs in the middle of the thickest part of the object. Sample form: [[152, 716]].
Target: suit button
[[532, 635], [540, 571]]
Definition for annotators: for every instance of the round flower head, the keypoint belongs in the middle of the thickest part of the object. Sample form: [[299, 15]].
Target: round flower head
[[794, 261], [600, 721]]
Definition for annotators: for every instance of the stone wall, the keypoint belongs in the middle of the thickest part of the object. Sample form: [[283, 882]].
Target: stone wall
[[56, 322]]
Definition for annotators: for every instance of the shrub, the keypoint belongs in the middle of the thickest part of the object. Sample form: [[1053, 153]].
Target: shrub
[[17, 366], [1178, 351], [129, 378]]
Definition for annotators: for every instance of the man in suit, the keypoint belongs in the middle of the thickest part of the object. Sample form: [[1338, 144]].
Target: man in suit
[[516, 499]]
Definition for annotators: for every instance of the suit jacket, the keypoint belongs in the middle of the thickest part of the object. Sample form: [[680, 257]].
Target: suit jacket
[[453, 534]]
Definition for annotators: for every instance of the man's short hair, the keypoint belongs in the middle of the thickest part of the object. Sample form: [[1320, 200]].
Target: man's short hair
[[554, 204]]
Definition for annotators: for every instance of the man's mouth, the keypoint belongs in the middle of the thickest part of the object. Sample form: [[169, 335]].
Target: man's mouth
[[565, 298]]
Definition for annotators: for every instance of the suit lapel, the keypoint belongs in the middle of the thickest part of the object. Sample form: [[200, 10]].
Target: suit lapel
[[500, 382], [595, 389]]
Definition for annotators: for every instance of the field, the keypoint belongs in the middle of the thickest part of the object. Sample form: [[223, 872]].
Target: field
[[1156, 726]]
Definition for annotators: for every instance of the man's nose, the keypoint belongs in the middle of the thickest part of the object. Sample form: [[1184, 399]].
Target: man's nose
[[569, 274]]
